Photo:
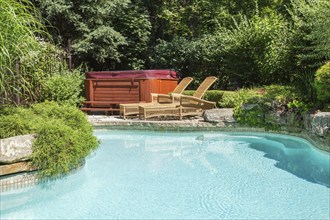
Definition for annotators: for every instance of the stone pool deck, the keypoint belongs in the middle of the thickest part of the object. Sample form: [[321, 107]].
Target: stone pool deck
[[213, 119]]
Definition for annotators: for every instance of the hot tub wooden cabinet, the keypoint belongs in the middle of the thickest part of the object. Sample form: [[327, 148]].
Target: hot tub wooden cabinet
[[105, 90]]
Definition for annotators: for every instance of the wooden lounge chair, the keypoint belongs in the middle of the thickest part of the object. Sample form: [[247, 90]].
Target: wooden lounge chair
[[188, 105], [195, 105], [133, 108], [170, 98]]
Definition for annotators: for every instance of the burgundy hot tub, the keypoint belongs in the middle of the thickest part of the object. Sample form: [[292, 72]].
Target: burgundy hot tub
[[105, 90]]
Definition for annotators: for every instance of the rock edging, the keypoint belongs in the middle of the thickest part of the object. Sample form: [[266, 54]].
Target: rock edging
[[15, 153]]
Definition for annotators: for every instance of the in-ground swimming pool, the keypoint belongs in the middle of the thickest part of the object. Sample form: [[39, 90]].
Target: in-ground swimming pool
[[197, 175]]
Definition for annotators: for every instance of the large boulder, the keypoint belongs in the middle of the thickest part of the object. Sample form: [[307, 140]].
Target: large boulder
[[320, 123], [219, 115], [16, 149]]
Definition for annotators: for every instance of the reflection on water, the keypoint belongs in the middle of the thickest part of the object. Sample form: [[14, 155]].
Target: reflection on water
[[190, 150], [293, 155]]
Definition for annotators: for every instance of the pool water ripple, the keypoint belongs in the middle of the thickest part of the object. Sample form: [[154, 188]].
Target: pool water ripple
[[196, 175]]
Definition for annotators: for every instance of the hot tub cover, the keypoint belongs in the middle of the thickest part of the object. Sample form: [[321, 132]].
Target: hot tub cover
[[136, 74]]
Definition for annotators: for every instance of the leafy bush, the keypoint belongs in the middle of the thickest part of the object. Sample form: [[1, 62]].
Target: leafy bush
[[280, 93], [231, 99], [58, 148], [16, 121], [253, 113], [13, 125], [252, 51], [214, 95], [257, 50], [227, 99], [63, 135], [64, 88], [259, 107], [322, 83]]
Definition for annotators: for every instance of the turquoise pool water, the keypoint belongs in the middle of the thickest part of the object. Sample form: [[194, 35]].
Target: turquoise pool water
[[197, 175]]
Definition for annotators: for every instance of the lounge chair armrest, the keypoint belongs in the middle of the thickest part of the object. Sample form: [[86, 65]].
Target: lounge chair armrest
[[168, 98]]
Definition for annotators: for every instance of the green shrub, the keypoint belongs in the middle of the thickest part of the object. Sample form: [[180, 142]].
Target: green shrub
[[229, 98], [232, 99], [22, 40], [72, 117], [13, 125], [64, 88], [63, 135], [257, 107], [253, 113], [280, 93], [58, 148], [16, 121], [322, 83], [213, 96]]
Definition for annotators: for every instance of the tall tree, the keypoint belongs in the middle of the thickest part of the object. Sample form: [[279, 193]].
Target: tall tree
[[311, 21], [90, 26], [133, 23]]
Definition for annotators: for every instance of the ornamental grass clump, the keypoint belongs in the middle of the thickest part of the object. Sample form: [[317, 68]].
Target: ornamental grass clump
[[26, 52], [63, 135]]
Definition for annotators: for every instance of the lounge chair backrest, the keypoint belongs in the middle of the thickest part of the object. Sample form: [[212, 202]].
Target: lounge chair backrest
[[182, 85], [206, 84]]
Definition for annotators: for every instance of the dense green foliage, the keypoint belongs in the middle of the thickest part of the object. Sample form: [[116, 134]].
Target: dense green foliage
[[103, 34], [322, 84], [63, 135], [20, 27], [268, 106], [253, 52], [233, 99], [283, 95], [245, 43], [27, 55], [63, 88], [311, 20]]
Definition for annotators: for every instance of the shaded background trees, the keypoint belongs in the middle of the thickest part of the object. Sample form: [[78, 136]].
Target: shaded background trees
[[245, 43]]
